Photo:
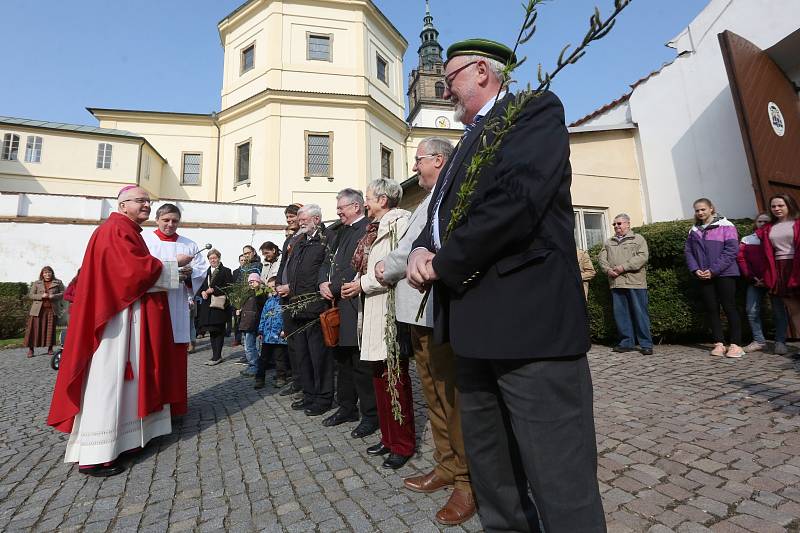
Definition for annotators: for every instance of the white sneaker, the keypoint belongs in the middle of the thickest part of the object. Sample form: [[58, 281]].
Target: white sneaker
[[718, 350], [734, 352], [754, 347]]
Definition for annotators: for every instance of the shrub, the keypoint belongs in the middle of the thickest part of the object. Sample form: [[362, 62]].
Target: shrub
[[676, 309], [14, 306]]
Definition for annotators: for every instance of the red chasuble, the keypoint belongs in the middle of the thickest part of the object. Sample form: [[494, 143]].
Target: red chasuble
[[117, 270]]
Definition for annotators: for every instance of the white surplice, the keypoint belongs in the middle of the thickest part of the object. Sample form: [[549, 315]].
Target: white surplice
[[179, 298], [108, 422]]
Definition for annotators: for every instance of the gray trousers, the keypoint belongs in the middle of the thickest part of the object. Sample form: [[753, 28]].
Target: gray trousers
[[528, 425]]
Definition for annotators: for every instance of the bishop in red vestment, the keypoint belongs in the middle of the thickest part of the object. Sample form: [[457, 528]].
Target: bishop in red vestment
[[116, 380]]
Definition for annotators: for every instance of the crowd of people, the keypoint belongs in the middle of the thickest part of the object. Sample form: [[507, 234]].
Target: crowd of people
[[480, 285], [719, 262]]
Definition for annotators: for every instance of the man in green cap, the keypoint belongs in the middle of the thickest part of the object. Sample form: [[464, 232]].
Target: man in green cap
[[509, 299]]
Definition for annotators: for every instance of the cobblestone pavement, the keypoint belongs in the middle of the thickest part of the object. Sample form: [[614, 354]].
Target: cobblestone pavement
[[687, 443]]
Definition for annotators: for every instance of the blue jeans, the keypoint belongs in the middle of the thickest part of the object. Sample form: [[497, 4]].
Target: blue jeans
[[251, 350], [632, 317], [755, 295]]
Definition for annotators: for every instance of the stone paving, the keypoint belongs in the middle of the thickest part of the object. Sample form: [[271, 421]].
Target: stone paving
[[687, 443]]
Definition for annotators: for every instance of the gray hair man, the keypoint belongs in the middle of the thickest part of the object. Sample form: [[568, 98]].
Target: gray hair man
[[624, 260], [435, 363], [354, 389]]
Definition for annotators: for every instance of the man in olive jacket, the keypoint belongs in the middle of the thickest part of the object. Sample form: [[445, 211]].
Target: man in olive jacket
[[624, 260]]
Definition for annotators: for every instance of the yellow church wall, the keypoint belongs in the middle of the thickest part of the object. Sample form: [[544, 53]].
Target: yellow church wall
[[173, 135], [605, 173], [69, 164]]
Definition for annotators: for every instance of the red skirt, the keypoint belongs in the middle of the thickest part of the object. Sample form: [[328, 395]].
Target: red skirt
[[41, 330]]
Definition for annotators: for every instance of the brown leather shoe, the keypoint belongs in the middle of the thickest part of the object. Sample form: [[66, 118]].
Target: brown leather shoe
[[458, 509], [430, 482]]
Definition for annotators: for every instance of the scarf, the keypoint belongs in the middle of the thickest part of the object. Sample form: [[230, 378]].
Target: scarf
[[163, 237], [361, 255]]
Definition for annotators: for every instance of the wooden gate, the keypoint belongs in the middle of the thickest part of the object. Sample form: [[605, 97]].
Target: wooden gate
[[769, 116]]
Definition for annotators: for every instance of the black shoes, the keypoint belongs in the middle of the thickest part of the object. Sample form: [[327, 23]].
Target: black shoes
[[259, 383], [102, 471], [646, 351], [316, 410], [378, 449], [301, 404], [623, 349], [364, 429], [395, 461], [339, 418], [288, 390]]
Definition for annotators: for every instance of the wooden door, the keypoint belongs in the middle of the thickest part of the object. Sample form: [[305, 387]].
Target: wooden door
[[768, 108]]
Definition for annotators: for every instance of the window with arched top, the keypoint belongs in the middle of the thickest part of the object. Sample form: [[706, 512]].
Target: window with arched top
[[439, 89]]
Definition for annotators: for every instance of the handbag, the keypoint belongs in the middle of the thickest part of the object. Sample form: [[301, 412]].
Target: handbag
[[216, 302], [329, 322]]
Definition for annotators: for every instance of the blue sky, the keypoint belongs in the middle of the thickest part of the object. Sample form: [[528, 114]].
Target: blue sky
[[165, 55]]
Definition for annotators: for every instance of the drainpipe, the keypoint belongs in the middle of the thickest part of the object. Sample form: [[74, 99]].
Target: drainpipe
[[139, 165], [215, 118]]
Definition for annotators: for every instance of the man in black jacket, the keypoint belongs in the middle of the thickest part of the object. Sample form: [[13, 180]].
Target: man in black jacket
[[291, 229], [301, 274], [509, 299], [354, 376]]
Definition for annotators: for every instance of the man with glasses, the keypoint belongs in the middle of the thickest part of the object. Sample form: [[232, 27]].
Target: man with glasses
[[119, 366], [354, 377], [508, 297], [435, 363], [624, 260]]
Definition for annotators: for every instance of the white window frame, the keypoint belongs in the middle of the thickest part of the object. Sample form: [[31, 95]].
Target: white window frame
[[242, 63], [237, 181], [33, 149], [580, 224], [328, 36], [199, 169], [378, 59], [386, 150], [10, 149], [104, 152], [329, 174]]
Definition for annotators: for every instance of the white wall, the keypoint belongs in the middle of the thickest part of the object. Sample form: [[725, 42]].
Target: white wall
[[691, 143], [61, 244]]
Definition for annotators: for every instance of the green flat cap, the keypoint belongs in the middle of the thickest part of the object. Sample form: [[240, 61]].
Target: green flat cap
[[481, 47]]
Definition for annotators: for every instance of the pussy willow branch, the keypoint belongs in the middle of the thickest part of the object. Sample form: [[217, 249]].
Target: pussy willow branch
[[501, 126], [390, 338]]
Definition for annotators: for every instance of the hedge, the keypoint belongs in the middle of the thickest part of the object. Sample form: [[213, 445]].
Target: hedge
[[14, 308], [676, 309]]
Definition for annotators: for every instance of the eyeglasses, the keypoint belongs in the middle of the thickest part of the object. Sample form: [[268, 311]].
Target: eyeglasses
[[619, 223], [448, 80], [341, 207], [141, 201], [417, 159]]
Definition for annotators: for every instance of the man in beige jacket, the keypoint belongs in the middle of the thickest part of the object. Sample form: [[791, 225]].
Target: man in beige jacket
[[624, 260]]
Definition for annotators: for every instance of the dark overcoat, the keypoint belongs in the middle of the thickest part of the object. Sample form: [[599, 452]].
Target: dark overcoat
[[510, 287], [302, 273], [207, 316], [339, 270]]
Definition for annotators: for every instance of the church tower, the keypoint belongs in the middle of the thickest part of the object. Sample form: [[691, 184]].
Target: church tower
[[427, 107]]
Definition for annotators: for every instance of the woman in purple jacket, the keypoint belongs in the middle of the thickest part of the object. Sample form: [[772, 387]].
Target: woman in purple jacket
[[710, 251]]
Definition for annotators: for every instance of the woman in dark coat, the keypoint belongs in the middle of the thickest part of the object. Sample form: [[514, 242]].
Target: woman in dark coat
[[212, 319], [46, 294]]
